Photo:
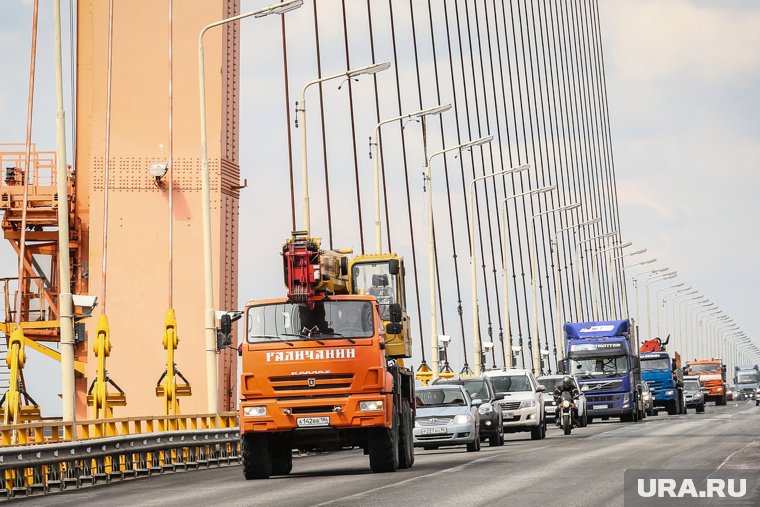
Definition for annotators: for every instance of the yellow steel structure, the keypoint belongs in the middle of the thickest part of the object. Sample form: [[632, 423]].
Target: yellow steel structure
[[13, 410], [98, 397], [168, 388]]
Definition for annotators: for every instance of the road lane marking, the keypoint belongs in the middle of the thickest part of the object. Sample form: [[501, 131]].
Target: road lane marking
[[461, 466]]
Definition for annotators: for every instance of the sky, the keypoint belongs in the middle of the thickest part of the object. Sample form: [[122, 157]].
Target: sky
[[682, 80]]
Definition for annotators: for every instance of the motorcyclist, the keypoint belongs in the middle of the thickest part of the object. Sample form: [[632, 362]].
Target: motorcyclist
[[567, 385]]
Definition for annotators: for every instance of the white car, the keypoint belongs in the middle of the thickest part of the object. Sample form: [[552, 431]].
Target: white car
[[550, 382], [523, 406]]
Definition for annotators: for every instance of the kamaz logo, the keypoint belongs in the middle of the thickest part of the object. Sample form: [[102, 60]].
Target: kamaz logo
[[312, 382], [311, 355], [310, 372]]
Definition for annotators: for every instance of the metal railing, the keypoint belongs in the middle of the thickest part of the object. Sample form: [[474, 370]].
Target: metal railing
[[46, 457]]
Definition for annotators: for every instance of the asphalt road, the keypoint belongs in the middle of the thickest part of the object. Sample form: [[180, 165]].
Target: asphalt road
[[588, 464]]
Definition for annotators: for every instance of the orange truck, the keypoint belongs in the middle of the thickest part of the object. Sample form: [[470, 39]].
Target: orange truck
[[712, 376], [322, 369]]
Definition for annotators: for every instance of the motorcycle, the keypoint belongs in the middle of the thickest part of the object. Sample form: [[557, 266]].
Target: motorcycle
[[567, 418]]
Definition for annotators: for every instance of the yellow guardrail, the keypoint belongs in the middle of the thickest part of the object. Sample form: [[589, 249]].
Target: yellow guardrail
[[48, 432]]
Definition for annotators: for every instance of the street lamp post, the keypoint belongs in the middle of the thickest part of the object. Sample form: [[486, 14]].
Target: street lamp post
[[670, 328], [505, 271], [595, 283], [664, 290], [209, 318], [684, 328], [576, 275], [532, 248], [301, 108], [473, 267], [624, 293], [665, 276], [375, 143], [635, 280], [431, 243], [559, 353]]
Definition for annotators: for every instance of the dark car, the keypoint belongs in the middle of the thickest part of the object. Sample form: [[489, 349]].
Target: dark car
[[489, 415]]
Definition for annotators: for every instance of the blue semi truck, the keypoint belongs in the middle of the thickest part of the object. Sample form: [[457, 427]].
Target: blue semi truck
[[603, 356], [664, 376]]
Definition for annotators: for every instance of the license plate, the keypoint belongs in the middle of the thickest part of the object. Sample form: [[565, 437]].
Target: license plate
[[597, 407], [433, 431], [306, 422], [509, 415]]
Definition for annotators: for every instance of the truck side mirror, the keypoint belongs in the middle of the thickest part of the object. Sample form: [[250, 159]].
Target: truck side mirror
[[225, 324], [395, 312], [393, 266]]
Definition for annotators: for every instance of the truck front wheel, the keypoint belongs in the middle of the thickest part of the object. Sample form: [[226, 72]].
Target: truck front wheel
[[257, 460], [383, 447], [282, 456]]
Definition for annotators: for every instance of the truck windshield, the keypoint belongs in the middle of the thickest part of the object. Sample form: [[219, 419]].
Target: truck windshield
[[747, 378], [655, 364], [375, 279], [328, 319], [600, 366], [511, 384], [704, 368]]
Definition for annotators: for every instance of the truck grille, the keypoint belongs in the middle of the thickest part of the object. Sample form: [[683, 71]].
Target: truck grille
[[510, 405], [602, 385], [312, 382]]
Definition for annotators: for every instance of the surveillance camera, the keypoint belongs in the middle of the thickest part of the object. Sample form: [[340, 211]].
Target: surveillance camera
[[444, 338], [158, 170], [85, 302], [516, 349], [545, 352], [487, 346]]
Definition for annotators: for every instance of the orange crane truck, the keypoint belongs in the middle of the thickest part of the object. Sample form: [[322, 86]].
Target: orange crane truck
[[322, 369], [712, 376]]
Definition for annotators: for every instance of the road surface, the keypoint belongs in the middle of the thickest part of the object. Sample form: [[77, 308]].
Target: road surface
[[522, 472]]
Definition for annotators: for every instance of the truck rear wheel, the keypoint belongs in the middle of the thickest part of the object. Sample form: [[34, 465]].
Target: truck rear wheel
[[701, 408], [406, 437], [383, 447], [671, 407], [257, 461]]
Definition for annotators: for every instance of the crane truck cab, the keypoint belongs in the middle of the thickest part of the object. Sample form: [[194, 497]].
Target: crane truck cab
[[317, 369]]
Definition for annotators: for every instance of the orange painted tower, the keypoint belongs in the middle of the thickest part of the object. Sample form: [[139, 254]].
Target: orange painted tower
[[141, 134]]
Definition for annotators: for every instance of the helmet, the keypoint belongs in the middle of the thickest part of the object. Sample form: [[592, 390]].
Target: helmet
[[567, 382]]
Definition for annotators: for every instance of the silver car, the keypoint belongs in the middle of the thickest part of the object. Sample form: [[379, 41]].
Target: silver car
[[446, 415]]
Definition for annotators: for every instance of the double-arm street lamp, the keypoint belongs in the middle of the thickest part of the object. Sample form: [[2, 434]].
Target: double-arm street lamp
[[533, 247], [579, 314], [431, 245], [301, 108], [473, 267], [505, 271], [596, 283], [657, 278], [375, 144], [208, 273]]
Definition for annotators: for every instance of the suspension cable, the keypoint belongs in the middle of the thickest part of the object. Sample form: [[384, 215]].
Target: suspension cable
[[286, 82], [107, 163], [353, 131], [324, 130], [27, 167], [406, 181], [170, 162]]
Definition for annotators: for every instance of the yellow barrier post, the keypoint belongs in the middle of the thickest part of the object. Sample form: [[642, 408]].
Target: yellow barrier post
[[167, 386], [98, 397]]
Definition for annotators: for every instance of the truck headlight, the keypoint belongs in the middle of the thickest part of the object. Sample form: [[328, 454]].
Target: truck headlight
[[485, 408], [527, 403], [669, 393], [259, 411], [719, 389], [371, 406], [463, 419]]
